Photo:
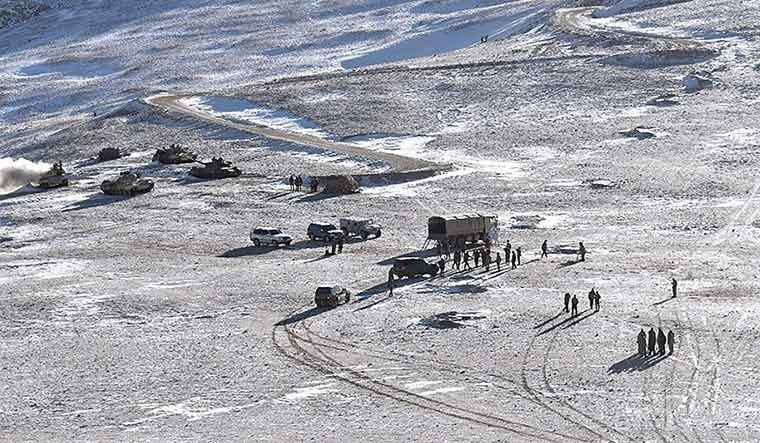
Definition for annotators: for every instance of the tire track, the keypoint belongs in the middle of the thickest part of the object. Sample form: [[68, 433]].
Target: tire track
[[532, 395], [326, 365]]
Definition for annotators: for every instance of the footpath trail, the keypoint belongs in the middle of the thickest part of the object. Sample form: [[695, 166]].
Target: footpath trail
[[397, 163]]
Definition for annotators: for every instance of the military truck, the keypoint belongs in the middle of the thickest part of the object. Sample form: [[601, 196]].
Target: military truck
[[459, 230], [55, 177], [360, 227], [128, 183]]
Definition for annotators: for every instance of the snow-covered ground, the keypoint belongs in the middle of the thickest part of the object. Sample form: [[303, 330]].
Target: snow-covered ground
[[154, 318]]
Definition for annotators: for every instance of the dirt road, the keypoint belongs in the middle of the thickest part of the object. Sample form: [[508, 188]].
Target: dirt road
[[397, 162]]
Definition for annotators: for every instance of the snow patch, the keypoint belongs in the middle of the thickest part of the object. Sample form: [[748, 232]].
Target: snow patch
[[310, 391]]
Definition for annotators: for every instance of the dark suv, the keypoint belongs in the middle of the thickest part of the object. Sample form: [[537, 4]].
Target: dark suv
[[323, 231], [413, 267], [330, 297]]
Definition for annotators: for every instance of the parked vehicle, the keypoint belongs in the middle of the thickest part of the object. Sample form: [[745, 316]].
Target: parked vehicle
[[361, 227], [323, 231], [413, 267], [458, 230], [330, 297], [270, 236]]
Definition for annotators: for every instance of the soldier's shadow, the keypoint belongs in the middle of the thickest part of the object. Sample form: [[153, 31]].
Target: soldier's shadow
[[636, 362]]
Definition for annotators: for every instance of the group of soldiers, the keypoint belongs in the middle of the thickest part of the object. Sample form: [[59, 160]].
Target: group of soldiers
[[648, 341], [593, 302], [334, 245], [296, 181]]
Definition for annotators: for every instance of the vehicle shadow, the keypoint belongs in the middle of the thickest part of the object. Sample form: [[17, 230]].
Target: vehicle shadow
[[95, 200], [417, 254], [246, 251], [295, 318], [636, 362], [26, 190]]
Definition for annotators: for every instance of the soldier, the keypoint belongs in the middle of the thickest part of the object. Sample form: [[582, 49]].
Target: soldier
[[642, 342], [340, 245], [591, 297], [661, 340], [457, 258], [544, 249], [314, 184], [498, 261], [487, 259], [567, 301], [651, 342], [519, 254], [390, 281], [581, 251], [507, 250], [514, 260], [476, 256], [597, 298], [674, 286], [671, 341], [442, 265], [574, 303], [292, 181], [466, 260]]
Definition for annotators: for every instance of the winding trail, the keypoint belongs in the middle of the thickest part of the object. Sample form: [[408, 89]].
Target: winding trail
[[398, 163]]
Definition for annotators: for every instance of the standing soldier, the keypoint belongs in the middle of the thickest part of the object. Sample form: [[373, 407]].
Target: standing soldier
[[642, 342], [581, 251], [466, 260], [340, 245], [498, 261], [661, 340], [519, 254], [597, 298], [674, 285], [292, 182], [591, 296], [476, 257], [390, 281], [544, 249], [442, 265], [651, 342], [567, 301], [514, 260], [507, 251], [457, 258], [574, 303], [671, 341], [487, 259]]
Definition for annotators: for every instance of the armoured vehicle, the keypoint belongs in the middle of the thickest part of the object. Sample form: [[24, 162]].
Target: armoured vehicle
[[174, 154], [323, 231], [361, 227], [413, 267], [269, 236], [54, 177], [338, 184], [108, 154], [216, 168], [128, 183], [330, 297], [458, 230]]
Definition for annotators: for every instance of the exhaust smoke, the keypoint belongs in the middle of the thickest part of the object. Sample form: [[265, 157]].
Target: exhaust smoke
[[15, 174]]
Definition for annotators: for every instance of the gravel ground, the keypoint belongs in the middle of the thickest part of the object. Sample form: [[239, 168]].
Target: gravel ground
[[153, 318]]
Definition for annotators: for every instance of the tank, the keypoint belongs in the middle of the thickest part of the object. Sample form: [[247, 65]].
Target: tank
[[54, 178], [174, 154], [128, 183], [108, 154], [216, 168]]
